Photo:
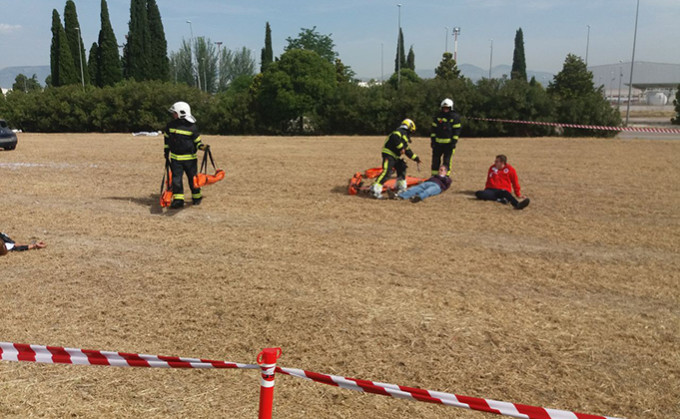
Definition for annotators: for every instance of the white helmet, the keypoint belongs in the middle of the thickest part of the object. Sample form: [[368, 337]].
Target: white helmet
[[447, 103], [183, 111]]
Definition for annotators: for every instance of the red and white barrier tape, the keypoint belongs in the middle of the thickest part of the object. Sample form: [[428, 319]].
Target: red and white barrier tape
[[59, 355], [595, 127], [437, 397]]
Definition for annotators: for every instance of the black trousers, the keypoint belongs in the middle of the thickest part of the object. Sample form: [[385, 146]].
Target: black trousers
[[179, 167], [499, 195], [442, 154], [389, 163]]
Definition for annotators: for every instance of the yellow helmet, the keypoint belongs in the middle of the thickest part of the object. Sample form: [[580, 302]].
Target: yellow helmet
[[409, 124]]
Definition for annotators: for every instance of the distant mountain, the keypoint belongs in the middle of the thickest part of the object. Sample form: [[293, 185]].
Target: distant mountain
[[9, 74], [475, 73]]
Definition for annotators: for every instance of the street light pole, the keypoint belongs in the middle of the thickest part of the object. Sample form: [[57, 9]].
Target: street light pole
[[80, 55], [198, 73], [618, 96], [491, 59], [456, 32], [399, 48], [382, 62], [632, 63], [587, 44]]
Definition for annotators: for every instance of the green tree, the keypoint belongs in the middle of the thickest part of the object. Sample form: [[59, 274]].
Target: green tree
[[343, 73], [519, 64], [24, 84], [267, 54], [311, 40], [293, 89], [75, 42], [181, 65], [411, 59], [447, 69], [159, 66], [54, 50], [135, 54], [676, 102], [109, 70], [206, 63], [400, 59], [577, 100], [93, 63], [63, 70], [234, 65]]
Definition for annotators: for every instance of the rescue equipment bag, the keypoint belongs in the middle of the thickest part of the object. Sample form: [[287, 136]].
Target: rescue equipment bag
[[202, 178], [166, 186]]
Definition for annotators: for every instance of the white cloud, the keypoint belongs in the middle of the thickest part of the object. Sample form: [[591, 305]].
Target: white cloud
[[6, 29]]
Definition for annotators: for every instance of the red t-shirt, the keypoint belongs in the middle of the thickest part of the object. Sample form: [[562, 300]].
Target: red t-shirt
[[505, 179]]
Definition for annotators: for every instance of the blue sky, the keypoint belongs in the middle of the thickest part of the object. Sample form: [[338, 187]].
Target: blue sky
[[365, 31]]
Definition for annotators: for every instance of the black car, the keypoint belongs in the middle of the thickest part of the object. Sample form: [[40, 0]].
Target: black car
[[8, 139]]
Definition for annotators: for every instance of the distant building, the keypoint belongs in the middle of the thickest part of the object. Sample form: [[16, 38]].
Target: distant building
[[653, 83]]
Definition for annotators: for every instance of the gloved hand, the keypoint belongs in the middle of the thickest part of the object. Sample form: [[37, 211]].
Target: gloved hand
[[417, 160], [166, 153]]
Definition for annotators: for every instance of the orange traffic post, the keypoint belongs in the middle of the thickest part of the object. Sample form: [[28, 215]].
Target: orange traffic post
[[267, 360]]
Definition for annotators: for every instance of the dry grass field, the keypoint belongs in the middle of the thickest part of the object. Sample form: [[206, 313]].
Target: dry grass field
[[573, 303]]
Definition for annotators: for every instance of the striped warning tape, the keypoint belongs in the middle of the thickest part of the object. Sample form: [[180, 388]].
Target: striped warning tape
[[437, 397], [58, 355], [594, 127]]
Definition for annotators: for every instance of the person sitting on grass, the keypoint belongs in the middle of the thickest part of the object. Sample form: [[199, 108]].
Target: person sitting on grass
[[9, 245], [433, 186], [500, 181]]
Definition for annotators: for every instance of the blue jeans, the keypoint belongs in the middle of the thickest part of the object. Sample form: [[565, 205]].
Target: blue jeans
[[424, 190]]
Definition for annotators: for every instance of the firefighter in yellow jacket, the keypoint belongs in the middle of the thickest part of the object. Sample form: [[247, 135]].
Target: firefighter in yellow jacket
[[396, 145], [182, 140]]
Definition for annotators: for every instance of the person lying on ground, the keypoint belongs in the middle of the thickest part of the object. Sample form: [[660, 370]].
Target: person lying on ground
[[500, 181], [433, 186], [9, 245]]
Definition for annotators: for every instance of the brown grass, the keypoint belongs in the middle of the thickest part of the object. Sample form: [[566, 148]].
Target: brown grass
[[570, 304]]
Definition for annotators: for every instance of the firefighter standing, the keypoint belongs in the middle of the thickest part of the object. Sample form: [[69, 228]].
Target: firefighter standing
[[182, 140], [444, 137], [396, 145]]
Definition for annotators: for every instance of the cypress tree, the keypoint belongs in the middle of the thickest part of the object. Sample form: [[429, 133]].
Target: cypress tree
[[75, 41], [63, 70], [519, 64], [400, 59], [267, 54], [134, 54], [54, 49], [159, 65], [93, 64], [109, 71], [411, 59]]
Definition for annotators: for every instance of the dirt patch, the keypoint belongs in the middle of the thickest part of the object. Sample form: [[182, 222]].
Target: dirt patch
[[570, 304]]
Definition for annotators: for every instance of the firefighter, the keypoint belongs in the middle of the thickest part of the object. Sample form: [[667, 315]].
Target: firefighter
[[182, 139], [396, 145], [444, 136]]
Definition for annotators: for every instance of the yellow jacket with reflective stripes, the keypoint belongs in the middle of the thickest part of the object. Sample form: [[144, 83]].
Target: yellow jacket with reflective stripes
[[182, 139], [397, 144]]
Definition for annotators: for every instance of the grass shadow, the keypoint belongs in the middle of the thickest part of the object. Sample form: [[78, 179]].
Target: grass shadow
[[152, 201]]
